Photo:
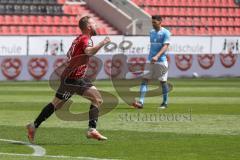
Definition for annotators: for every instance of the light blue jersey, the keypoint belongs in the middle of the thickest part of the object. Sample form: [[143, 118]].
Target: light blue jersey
[[158, 39]]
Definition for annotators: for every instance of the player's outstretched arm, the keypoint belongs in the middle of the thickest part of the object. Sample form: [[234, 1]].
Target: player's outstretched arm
[[93, 50]]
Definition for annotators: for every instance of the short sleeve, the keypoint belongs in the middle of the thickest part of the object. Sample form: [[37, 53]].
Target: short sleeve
[[167, 37]]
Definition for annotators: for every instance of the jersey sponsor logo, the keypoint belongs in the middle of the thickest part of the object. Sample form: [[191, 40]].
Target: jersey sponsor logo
[[37, 67], [183, 61], [206, 61], [11, 68]]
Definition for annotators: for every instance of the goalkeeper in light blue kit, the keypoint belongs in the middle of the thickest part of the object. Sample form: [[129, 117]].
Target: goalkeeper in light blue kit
[[160, 40]]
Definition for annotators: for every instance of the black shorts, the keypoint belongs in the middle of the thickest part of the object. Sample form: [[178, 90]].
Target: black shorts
[[68, 87]]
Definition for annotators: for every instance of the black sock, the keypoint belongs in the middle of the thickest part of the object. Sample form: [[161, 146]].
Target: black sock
[[46, 112], [93, 116]]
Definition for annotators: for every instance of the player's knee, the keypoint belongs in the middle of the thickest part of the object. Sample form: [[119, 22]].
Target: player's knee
[[97, 101], [57, 103]]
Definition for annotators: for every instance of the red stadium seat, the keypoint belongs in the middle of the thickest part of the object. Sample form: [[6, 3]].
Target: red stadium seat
[[25, 19], [217, 31], [181, 21], [14, 30], [224, 11], [203, 31], [63, 30], [41, 20], [49, 20], [197, 21], [65, 20], [8, 19], [22, 30], [236, 22], [46, 30], [61, 1], [67, 9], [73, 20], [72, 30], [237, 30], [210, 30], [39, 30], [16, 19], [189, 31], [175, 11], [185, 2], [56, 20], [5, 30], [231, 30], [154, 11], [33, 20], [2, 19], [55, 30], [224, 31], [31, 30]]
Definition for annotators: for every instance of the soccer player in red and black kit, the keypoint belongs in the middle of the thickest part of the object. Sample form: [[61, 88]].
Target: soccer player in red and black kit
[[73, 80]]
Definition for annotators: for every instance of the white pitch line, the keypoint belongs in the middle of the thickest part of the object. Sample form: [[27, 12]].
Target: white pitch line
[[38, 151], [41, 152], [50, 156]]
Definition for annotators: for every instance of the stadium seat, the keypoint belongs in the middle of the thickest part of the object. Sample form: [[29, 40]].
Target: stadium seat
[[22, 30], [31, 30], [5, 30], [217, 31], [63, 30], [36, 17], [56, 20], [67, 9], [47, 30], [210, 30], [50, 20], [38, 30], [65, 20], [33, 20], [61, 1], [55, 30], [16, 20], [42, 20], [8, 19], [14, 30], [73, 20]]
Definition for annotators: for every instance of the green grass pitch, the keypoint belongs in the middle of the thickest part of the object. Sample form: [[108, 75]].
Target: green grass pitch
[[207, 127]]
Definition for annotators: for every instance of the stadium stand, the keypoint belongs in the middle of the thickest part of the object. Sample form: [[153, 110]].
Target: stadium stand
[[196, 17], [46, 17]]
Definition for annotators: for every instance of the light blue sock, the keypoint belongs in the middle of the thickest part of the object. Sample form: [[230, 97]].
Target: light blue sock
[[165, 92], [143, 90]]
